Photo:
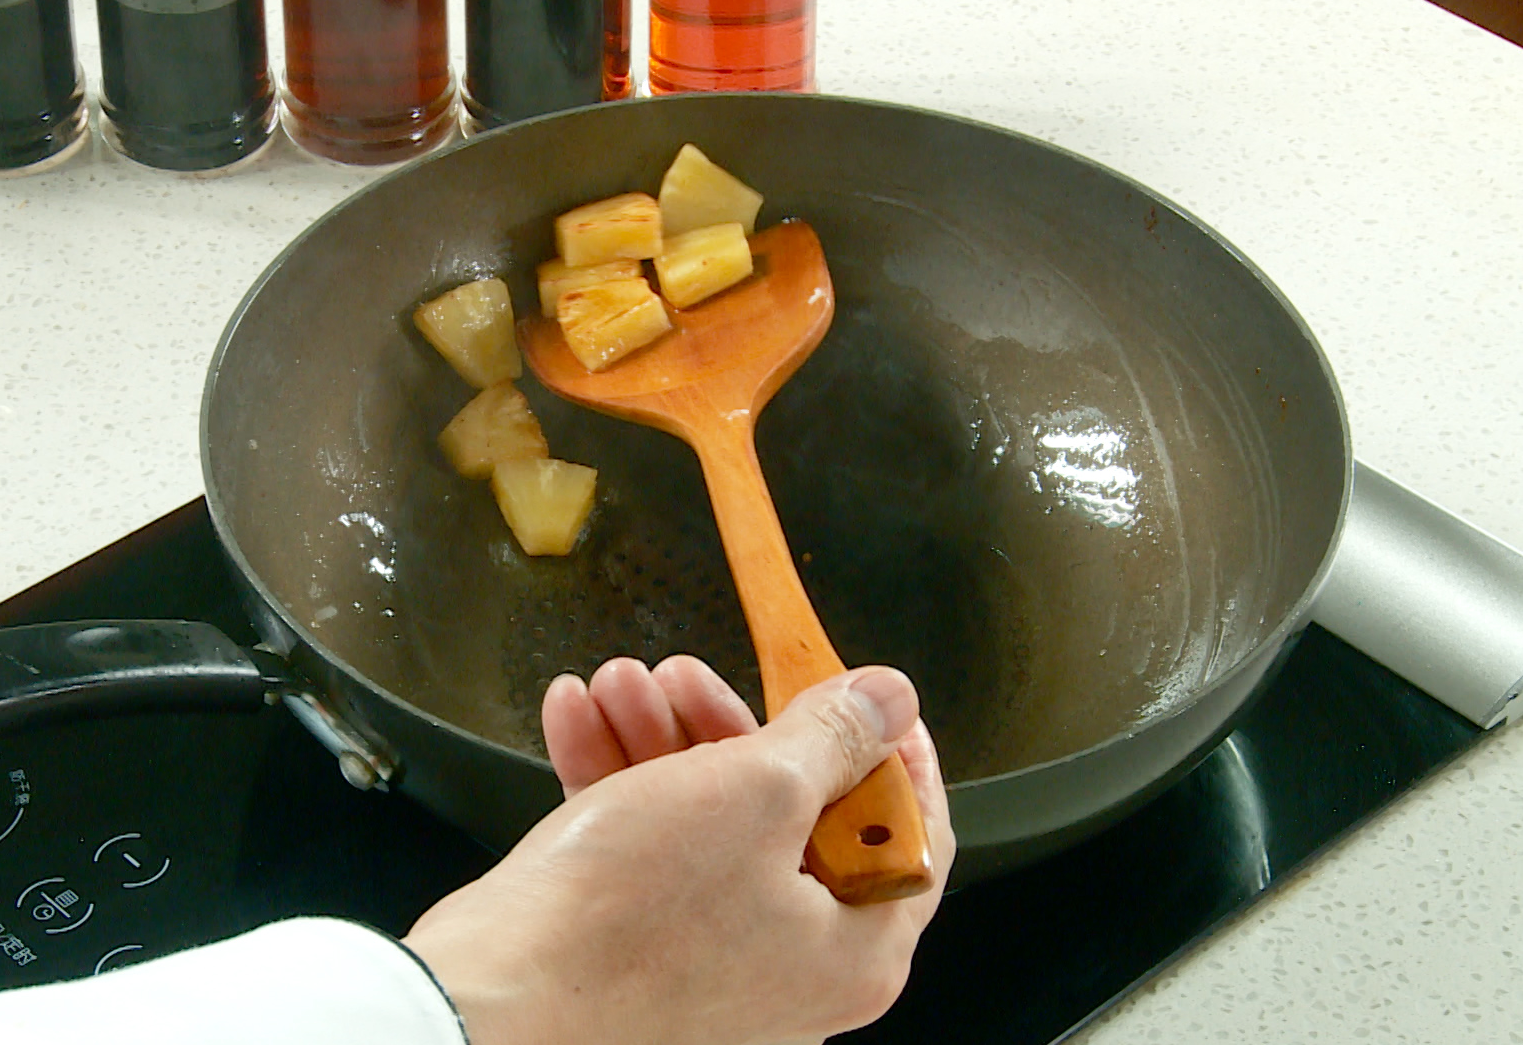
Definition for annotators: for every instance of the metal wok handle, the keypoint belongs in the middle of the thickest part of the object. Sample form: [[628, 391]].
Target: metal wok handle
[[56, 671], [1431, 597], [70, 668]]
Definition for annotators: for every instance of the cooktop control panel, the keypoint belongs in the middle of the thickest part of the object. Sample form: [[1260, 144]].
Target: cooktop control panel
[[132, 836], [95, 863], [71, 885]]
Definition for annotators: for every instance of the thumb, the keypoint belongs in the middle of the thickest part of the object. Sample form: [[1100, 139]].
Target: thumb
[[836, 732]]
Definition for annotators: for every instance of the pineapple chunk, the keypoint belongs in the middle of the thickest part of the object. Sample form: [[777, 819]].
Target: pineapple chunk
[[627, 226], [544, 501], [701, 263], [556, 277], [472, 327], [696, 193], [607, 321], [495, 426]]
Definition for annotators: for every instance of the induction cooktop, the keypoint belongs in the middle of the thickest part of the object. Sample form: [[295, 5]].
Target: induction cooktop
[[135, 834]]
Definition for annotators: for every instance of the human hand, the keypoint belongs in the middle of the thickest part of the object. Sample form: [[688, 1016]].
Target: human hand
[[663, 903], [628, 713]]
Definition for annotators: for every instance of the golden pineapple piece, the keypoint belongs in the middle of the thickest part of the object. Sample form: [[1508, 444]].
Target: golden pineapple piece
[[701, 263], [627, 227], [497, 425], [472, 327], [545, 502], [607, 321], [696, 193], [556, 277]]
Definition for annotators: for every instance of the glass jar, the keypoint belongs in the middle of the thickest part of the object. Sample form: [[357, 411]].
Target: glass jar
[[185, 84], [42, 88], [368, 81]]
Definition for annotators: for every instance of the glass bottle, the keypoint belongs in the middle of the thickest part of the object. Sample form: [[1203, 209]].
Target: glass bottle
[[731, 45], [42, 89], [185, 84], [526, 58], [368, 81], [616, 46]]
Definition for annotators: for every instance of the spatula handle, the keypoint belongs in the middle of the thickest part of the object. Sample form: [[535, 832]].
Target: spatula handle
[[871, 845]]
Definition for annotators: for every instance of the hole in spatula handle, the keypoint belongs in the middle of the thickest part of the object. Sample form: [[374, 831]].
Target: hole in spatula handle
[[874, 834]]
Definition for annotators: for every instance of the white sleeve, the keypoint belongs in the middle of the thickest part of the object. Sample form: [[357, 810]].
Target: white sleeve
[[299, 982]]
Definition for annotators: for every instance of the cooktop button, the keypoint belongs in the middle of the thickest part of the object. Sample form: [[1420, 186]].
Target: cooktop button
[[12, 823], [57, 908], [128, 857], [21, 799], [114, 958]]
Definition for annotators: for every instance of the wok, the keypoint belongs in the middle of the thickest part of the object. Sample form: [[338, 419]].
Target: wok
[[1065, 456]]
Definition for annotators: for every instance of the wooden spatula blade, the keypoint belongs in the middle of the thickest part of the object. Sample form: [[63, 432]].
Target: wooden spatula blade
[[739, 345]]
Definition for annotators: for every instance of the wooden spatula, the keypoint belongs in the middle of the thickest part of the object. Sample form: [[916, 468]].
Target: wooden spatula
[[705, 382]]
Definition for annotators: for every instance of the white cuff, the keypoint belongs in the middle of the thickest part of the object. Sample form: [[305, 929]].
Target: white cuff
[[299, 982]]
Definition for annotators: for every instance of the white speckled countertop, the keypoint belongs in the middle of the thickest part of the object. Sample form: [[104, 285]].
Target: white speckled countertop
[[1367, 154]]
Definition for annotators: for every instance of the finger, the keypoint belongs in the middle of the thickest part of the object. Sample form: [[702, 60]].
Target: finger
[[583, 747], [637, 709], [918, 752], [705, 705], [834, 733]]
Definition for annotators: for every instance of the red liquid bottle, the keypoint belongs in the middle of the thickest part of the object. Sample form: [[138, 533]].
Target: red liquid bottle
[[368, 81], [731, 45], [616, 44]]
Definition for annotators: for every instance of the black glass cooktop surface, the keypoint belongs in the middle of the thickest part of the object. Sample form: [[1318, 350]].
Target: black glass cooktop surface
[[132, 835]]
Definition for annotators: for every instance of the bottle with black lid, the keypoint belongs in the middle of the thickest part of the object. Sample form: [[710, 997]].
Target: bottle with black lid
[[42, 89], [185, 84]]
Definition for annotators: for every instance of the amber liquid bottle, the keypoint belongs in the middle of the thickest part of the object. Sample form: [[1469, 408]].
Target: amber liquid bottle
[[42, 90], [731, 45], [616, 45], [368, 81], [523, 59], [185, 84]]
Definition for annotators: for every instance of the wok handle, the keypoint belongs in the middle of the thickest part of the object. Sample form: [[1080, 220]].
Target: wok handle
[[871, 845], [92, 667]]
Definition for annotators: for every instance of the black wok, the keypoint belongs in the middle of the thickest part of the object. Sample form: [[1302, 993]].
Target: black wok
[[1065, 457]]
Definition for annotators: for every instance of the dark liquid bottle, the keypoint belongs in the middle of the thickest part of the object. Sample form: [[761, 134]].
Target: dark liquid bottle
[[185, 84], [42, 90], [524, 58], [731, 45], [368, 81]]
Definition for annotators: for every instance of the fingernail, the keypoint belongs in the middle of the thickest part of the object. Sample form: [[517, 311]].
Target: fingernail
[[562, 682], [888, 696]]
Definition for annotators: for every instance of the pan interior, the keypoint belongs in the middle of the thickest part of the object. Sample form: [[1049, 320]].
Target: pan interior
[[1062, 457]]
